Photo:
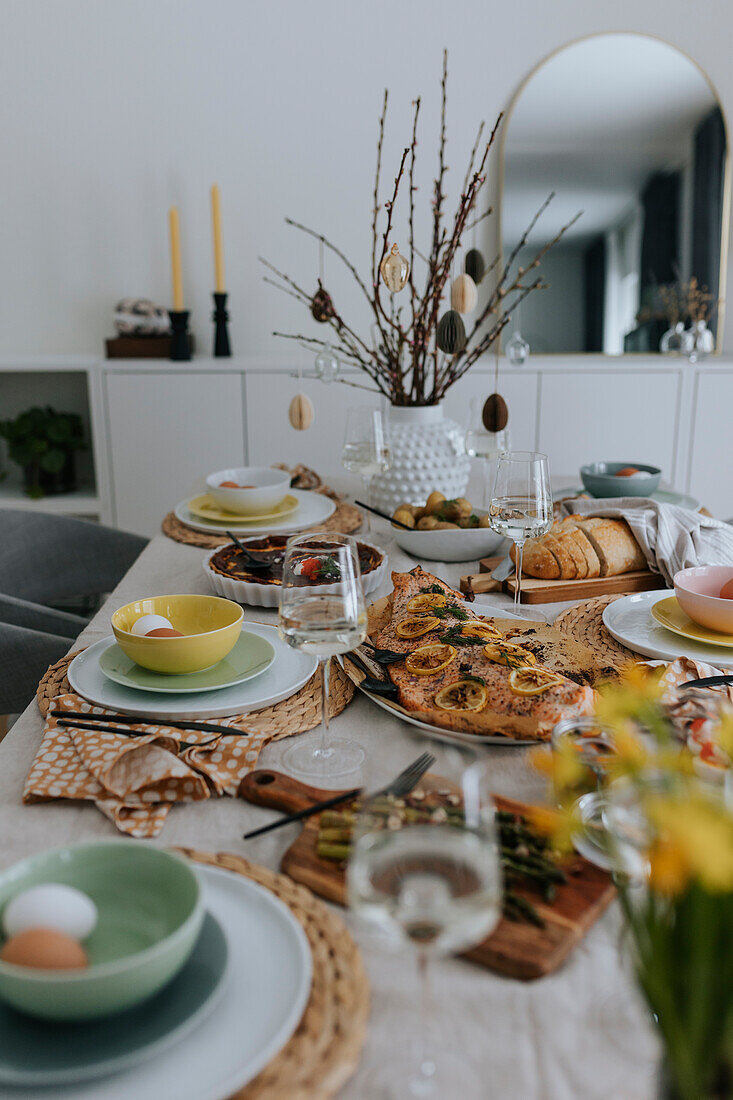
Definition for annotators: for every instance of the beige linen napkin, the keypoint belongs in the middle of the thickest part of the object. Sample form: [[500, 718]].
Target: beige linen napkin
[[671, 537], [135, 781]]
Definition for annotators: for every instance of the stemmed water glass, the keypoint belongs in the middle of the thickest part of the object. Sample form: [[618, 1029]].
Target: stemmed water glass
[[484, 444], [521, 502], [324, 619], [366, 450], [428, 878]]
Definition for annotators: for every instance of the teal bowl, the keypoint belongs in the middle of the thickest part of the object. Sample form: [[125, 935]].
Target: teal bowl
[[600, 480], [150, 914]]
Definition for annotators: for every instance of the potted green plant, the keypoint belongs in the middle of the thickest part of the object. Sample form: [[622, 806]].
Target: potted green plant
[[44, 443]]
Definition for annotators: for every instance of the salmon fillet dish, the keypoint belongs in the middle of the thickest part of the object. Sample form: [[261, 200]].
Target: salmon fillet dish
[[484, 676]]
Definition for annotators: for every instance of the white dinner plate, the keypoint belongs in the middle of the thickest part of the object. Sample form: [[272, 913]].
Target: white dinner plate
[[267, 989], [313, 508], [629, 621], [288, 672]]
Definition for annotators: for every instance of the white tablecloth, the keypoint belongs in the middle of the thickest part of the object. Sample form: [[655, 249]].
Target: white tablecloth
[[577, 1035]]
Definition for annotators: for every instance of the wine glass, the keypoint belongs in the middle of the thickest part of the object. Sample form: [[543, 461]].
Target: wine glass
[[483, 444], [424, 871], [521, 502], [324, 619], [366, 451]]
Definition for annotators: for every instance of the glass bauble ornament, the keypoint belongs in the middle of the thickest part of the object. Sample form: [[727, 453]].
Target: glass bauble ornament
[[321, 306], [327, 366], [463, 294], [474, 265], [517, 349], [451, 333], [394, 270]]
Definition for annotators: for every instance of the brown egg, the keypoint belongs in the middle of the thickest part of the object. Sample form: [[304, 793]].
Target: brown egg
[[44, 948], [627, 471], [164, 632]]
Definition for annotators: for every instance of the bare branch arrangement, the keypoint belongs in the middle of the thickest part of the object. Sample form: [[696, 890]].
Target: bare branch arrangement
[[416, 360]]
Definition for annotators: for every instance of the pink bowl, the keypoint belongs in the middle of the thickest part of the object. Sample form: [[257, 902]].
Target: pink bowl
[[697, 591]]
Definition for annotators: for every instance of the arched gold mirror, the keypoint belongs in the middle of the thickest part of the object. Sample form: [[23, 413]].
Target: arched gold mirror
[[629, 130]]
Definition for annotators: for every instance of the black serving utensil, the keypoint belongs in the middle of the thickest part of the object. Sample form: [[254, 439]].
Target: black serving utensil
[[400, 786], [370, 683], [251, 561], [384, 656], [709, 681], [383, 515]]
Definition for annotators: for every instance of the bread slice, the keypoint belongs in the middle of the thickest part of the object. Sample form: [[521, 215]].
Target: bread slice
[[617, 549], [568, 537], [568, 570], [538, 560], [584, 544]]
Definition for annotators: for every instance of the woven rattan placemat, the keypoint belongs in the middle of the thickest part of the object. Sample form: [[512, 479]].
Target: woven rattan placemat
[[300, 712], [584, 623], [325, 1049], [346, 519]]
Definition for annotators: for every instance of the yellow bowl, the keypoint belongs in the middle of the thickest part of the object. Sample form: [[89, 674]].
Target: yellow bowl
[[210, 626]]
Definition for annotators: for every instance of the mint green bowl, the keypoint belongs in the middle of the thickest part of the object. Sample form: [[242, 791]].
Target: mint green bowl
[[150, 914]]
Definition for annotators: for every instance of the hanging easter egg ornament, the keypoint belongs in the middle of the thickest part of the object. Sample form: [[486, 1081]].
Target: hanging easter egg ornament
[[474, 265], [495, 413], [451, 333], [327, 366], [463, 294], [321, 306], [394, 270], [301, 412]]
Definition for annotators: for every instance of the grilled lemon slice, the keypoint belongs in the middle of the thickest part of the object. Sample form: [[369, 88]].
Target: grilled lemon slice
[[482, 632], [510, 654], [533, 681], [426, 601], [416, 625], [430, 659], [462, 695]]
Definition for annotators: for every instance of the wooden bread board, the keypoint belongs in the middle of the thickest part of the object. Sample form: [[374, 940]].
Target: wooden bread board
[[538, 591], [517, 950]]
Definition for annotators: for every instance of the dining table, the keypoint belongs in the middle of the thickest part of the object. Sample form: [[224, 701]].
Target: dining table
[[581, 1033]]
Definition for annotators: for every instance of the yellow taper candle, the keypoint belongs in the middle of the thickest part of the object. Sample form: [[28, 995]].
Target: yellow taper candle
[[176, 274], [218, 250]]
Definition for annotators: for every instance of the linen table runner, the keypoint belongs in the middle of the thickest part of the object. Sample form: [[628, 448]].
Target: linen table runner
[[136, 780]]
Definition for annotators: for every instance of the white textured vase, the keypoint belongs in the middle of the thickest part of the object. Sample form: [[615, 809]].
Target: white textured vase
[[427, 452]]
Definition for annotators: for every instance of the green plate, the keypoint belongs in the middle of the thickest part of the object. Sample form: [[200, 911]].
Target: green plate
[[40, 1052], [251, 655]]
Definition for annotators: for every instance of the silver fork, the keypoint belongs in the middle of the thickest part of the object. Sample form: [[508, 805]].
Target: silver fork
[[401, 785]]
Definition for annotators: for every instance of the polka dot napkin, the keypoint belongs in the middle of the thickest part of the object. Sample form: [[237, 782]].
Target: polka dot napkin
[[136, 780]]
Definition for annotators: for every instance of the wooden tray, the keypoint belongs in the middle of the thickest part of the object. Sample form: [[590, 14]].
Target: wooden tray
[[518, 950], [537, 591]]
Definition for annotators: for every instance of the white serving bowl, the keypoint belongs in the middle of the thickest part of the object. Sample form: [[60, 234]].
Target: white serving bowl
[[268, 595], [270, 487], [462, 544]]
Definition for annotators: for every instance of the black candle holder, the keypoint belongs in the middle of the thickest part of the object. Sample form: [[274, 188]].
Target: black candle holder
[[180, 343], [221, 332]]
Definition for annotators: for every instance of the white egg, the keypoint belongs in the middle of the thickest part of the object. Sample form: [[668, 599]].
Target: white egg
[[51, 905], [146, 623]]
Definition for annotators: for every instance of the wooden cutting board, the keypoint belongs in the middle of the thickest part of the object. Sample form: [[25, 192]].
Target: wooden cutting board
[[518, 950], [538, 591]]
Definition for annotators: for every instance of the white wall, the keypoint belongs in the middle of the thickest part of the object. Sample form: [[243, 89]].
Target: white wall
[[112, 111]]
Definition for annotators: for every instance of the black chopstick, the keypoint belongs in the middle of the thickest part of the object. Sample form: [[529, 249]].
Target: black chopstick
[[136, 719], [307, 812], [382, 515], [97, 728]]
